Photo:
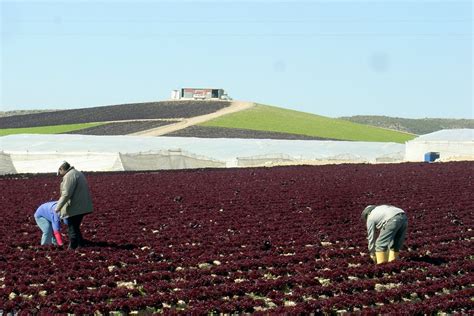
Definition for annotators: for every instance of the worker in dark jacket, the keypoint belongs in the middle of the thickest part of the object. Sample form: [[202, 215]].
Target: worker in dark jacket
[[74, 203], [392, 223]]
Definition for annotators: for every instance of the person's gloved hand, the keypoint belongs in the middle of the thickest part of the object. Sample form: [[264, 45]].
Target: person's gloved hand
[[58, 237]]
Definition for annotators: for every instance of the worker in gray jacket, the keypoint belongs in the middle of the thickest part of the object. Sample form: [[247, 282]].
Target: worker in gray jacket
[[74, 203], [392, 223]]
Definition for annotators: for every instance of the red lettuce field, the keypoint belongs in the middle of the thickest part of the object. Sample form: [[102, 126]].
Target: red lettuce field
[[268, 240]]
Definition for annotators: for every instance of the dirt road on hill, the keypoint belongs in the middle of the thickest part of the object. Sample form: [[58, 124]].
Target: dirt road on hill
[[236, 106]]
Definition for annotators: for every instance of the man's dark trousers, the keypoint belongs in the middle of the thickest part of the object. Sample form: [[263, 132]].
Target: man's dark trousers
[[74, 231]]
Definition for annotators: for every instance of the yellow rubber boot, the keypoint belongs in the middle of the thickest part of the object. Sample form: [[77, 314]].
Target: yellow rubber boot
[[381, 257], [392, 255]]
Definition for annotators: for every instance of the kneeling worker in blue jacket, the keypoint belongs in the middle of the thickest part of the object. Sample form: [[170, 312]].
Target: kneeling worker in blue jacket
[[392, 223], [49, 223]]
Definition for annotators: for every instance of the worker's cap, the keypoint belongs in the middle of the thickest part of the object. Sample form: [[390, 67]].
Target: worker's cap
[[64, 165], [366, 212]]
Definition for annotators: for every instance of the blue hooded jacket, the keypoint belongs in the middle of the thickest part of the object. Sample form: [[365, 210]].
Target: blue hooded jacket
[[46, 210]]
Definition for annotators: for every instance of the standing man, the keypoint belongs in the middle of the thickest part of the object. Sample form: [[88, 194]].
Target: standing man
[[392, 223], [74, 203]]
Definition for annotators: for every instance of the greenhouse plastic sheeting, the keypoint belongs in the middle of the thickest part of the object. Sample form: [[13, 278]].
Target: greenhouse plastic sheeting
[[6, 165], [456, 135], [41, 162], [167, 159], [44, 153], [452, 144]]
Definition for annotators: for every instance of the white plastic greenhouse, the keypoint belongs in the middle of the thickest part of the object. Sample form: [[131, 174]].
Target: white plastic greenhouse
[[28, 153], [450, 144]]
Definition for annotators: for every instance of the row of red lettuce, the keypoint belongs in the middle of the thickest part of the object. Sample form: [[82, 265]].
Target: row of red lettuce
[[283, 239]]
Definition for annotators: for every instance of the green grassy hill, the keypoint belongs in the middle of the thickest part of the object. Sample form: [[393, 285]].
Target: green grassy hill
[[274, 119], [55, 129]]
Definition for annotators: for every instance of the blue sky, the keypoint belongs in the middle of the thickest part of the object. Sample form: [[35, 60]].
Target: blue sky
[[403, 58]]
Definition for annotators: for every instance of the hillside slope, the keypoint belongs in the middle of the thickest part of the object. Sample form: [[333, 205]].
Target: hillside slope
[[22, 112], [225, 132], [414, 126], [121, 112], [274, 119], [234, 107], [155, 118]]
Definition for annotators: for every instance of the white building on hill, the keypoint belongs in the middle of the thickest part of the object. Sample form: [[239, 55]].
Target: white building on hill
[[199, 94]]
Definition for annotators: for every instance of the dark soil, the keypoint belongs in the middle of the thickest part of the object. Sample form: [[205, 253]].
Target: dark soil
[[219, 132], [121, 128], [135, 111]]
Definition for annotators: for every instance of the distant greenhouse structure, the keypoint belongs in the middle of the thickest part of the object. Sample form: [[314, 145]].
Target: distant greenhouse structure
[[199, 94], [444, 145], [42, 153]]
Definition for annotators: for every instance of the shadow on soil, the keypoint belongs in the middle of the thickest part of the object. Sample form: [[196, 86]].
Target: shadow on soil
[[431, 260], [106, 244]]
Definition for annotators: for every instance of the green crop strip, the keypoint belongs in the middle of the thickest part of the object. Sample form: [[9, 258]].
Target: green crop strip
[[55, 129], [274, 119]]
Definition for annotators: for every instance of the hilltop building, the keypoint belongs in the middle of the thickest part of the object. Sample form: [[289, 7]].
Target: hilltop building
[[199, 94]]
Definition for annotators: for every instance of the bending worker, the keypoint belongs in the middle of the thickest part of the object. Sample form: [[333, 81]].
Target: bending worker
[[392, 223], [74, 203], [49, 223]]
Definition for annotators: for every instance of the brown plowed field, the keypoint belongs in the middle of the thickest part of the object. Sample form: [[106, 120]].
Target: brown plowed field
[[135, 111], [217, 132]]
